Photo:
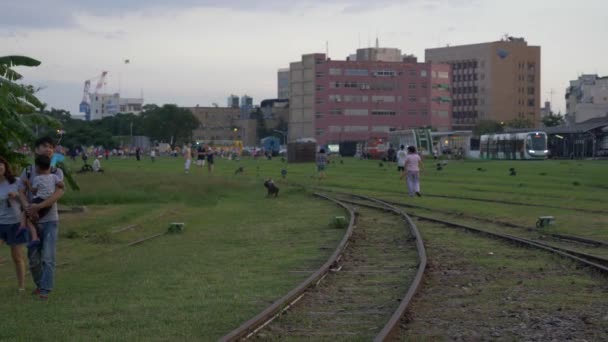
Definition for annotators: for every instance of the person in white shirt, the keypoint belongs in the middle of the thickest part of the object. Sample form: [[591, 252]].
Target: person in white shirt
[[97, 164], [401, 156], [187, 157]]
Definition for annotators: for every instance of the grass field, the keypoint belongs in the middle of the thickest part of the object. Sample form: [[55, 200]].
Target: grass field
[[238, 248]]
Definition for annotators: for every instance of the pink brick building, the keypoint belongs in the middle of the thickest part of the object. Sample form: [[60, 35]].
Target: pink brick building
[[356, 100]]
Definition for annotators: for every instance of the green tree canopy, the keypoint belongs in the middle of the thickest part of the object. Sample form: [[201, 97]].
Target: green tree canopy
[[520, 123], [19, 109], [487, 127], [552, 119], [169, 124]]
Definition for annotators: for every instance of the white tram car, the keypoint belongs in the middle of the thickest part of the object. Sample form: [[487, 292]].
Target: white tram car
[[523, 145]]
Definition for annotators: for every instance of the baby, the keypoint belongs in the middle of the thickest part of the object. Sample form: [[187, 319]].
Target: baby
[[43, 186]]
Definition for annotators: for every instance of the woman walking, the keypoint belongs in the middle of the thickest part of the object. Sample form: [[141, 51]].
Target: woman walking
[[10, 211], [413, 166]]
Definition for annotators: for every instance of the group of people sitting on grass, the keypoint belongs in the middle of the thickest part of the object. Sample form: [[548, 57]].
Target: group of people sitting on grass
[[28, 214]]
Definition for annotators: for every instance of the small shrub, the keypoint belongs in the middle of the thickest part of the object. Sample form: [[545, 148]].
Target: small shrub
[[339, 222]]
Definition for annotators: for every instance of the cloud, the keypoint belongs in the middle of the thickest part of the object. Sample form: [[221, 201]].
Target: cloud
[[41, 14]]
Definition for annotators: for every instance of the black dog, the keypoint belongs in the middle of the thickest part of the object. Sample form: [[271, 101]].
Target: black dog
[[272, 189], [239, 170]]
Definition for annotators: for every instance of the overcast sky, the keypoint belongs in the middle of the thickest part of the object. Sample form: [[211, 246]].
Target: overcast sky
[[198, 52]]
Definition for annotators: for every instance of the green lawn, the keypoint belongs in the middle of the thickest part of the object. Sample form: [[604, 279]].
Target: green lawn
[[238, 248]]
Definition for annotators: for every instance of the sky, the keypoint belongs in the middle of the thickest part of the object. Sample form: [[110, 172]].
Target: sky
[[191, 52]]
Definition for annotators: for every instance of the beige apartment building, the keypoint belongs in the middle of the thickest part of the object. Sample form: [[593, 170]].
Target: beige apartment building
[[497, 81]]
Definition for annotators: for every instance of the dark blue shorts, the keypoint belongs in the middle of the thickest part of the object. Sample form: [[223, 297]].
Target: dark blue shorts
[[8, 233]]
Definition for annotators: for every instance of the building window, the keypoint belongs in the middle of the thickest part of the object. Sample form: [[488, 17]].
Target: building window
[[412, 99], [318, 61], [336, 111], [411, 112], [318, 115], [530, 90], [412, 72], [319, 101], [356, 72], [531, 78], [334, 85], [320, 88], [530, 102], [356, 128], [356, 98], [424, 113], [320, 74], [412, 85], [383, 98], [443, 74], [384, 112], [335, 98], [385, 73], [351, 85], [356, 112], [423, 73], [335, 72], [319, 131], [423, 85]]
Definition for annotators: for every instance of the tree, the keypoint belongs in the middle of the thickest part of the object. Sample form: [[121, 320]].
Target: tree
[[520, 123], [552, 119], [487, 127], [261, 129], [169, 123], [20, 112], [19, 109]]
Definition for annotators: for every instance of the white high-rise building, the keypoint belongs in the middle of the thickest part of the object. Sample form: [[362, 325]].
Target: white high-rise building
[[104, 105], [587, 98]]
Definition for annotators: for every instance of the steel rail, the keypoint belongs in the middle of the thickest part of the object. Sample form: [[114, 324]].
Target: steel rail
[[253, 325]]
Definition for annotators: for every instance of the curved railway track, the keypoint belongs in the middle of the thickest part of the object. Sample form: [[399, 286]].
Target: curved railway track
[[570, 238], [591, 211], [595, 262], [368, 283]]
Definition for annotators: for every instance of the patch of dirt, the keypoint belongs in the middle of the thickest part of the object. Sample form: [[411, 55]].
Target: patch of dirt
[[465, 297]]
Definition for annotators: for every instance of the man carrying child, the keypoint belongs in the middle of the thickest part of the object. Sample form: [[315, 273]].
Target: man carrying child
[[42, 257]]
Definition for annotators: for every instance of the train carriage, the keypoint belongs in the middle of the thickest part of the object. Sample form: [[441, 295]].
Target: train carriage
[[522, 145]]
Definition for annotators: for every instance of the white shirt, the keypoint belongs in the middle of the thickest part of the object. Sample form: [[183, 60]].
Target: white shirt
[[401, 156]]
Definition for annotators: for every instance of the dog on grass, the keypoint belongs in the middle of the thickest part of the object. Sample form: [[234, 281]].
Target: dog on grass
[[271, 187], [239, 170]]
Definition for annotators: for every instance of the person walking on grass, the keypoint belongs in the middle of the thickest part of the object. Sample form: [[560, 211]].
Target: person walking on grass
[[321, 163], [42, 257], [187, 157], [210, 157], [200, 156], [413, 166], [10, 212], [401, 156]]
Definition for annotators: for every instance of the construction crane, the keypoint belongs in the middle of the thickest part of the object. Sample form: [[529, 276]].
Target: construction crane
[[85, 104]]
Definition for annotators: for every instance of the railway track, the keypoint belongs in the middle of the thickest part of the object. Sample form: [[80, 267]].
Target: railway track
[[361, 292], [595, 262], [563, 237], [467, 198]]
